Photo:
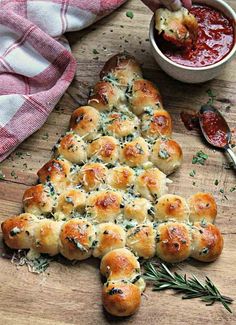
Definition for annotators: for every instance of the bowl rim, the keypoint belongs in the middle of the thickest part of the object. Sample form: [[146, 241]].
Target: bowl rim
[[189, 68]]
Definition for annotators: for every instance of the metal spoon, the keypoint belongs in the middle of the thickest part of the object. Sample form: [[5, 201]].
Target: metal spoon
[[212, 133]]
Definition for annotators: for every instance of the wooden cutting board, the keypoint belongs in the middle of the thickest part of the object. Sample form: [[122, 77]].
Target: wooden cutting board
[[68, 294]]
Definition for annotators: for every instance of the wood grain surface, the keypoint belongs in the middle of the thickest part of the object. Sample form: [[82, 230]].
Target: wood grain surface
[[71, 294]]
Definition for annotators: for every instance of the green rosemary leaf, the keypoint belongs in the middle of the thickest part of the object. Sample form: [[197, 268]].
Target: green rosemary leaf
[[190, 288]]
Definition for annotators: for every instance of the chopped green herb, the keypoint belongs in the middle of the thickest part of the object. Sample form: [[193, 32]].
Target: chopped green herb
[[192, 173], [194, 183], [15, 231], [190, 287], [95, 51], [45, 136], [2, 176], [13, 174], [216, 182], [163, 154], [212, 97], [130, 14], [221, 191], [233, 189], [200, 158], [114, 291]]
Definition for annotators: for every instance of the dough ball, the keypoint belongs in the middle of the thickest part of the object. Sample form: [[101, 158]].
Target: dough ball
[[46, 236], [138, 210], [55, 174], [172, 207], [207, 242], [120, 264], [38, 200], [202, 206], [70, 203], [85, 121], [18, 231], [104, 205], [72, 148], [156, 123], [121, 177], [121, 298], [92, 176], [166, 154], [121, 69], [105, 96], [135, 153], [144, 96], [173, 242], [151, 184], [77, 239], [121, 125], [105, 148], [109, 237], [142, 240]]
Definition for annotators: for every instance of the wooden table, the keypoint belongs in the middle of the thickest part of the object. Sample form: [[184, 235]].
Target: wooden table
[[72, 294]]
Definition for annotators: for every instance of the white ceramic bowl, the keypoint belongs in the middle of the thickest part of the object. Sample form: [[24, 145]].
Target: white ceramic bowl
[[190, 74]]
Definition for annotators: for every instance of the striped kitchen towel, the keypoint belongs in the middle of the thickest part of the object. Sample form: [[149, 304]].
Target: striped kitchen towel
[[35, 67]]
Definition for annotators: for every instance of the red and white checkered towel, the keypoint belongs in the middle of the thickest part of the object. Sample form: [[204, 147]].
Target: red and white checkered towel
[[35, 68]]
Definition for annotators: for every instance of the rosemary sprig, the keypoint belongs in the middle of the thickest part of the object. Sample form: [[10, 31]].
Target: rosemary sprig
[[190, 287]]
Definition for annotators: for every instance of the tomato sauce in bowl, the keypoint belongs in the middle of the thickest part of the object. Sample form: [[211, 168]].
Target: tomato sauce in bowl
[[214, 41]]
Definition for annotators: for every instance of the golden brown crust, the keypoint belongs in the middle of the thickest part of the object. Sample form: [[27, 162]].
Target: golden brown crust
[[121, 125], [91, 176], [172, 207], [56, 172], [120, 177], [105, 148], [135, 153], [104, 205], [123, 68], [173, 242], [38, 200], [151, 184], [109, 237], [105, 96], [85, 122], [72, 148], [120, 298], [142, 240], [167, 155], [157, 123], [18, 231], [202, 206], [119, 264], [76, 239], [207, 242], [144, 96]]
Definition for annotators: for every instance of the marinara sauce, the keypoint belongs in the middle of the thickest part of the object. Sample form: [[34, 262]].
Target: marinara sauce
[[214, 41], [215, 128]]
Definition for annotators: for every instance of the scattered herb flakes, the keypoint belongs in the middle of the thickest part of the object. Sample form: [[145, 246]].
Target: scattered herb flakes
[[200, 158], [216, 182], [130, 14], [222, 191], [194, 183], [95, 51], [232, 189], [2, 176], [13, 174], [212, 97], [192, 173], [45, 136]]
